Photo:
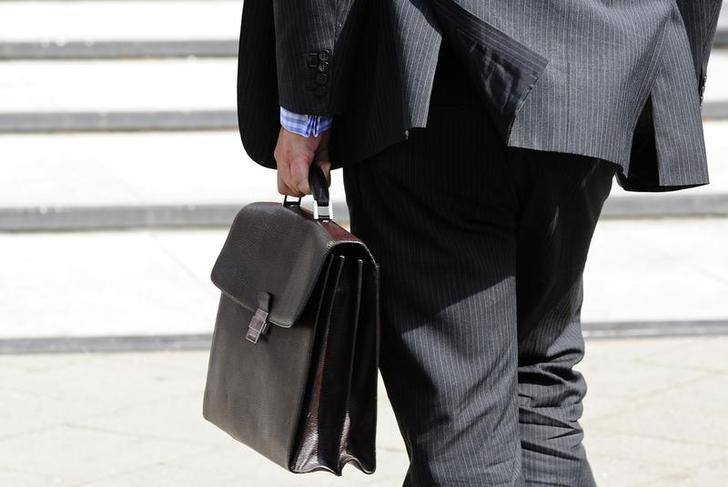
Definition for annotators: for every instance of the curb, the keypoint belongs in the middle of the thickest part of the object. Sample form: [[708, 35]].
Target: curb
[[58, 50], [654, 329], [99, 218], [94, 218], [156, 343], [721, 37], [666, 206], [131, 343], [117, 121]]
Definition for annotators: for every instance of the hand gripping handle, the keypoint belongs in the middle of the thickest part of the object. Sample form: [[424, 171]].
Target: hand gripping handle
[[322, 208]]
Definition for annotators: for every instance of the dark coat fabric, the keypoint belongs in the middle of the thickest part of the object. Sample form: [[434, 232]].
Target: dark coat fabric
[[618, 80]]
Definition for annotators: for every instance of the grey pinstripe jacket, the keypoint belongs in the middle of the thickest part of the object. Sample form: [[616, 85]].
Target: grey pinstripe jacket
[[620, 80]]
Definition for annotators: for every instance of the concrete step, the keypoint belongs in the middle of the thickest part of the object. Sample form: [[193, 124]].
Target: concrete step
[[118, 20], [723, 22], [124, 29], [42, 87], [117, 49], [163, 94], [715, 98], [118, 29], [643, 278], [163, 179]]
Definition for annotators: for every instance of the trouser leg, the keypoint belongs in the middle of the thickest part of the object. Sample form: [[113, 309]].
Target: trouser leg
[[440, 223], [561, 197], [482, 266]]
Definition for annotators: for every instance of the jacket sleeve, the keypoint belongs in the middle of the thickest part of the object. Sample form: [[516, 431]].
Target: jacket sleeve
[[314, 50], [701, 21]]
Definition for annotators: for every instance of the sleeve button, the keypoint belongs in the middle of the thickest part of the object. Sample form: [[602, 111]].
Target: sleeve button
[[322, 78]]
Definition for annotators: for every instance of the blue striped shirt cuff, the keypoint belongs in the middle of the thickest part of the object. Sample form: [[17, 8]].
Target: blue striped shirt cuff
[[303, 124]]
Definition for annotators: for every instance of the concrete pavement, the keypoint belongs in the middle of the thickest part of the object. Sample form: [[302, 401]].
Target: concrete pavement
[[654, 416]]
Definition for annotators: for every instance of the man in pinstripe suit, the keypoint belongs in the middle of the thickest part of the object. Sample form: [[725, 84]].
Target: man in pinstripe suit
[[479, 140]]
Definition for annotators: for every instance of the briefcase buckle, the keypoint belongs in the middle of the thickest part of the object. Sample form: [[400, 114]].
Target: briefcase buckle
[[259, 322]]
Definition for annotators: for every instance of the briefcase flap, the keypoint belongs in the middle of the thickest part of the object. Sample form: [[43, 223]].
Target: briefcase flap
[[279, 250]]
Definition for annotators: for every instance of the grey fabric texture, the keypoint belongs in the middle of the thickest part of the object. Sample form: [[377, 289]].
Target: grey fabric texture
[[482, 249], [619, 80], [605, 59]]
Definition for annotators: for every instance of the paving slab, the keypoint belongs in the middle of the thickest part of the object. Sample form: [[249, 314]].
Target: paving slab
[[709, 474]]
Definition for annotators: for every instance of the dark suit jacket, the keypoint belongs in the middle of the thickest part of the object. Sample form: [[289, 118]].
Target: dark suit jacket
[[622, 82]]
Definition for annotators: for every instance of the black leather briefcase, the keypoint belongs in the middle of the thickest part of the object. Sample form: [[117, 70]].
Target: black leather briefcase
[[292, 371]]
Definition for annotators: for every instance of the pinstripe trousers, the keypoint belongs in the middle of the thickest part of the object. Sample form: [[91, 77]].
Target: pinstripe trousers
[[482, 249]]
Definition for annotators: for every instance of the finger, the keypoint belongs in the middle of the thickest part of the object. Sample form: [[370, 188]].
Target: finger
[[299, 175], [284, 178], [282, 170], [283, 188]]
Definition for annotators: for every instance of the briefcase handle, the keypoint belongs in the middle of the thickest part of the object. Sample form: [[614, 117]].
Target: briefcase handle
[[322, 207]]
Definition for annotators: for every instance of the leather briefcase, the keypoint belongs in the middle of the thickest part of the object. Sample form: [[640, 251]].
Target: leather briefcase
[[292, 371]]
